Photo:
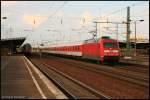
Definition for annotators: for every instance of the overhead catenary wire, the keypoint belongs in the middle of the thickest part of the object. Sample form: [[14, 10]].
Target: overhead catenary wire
[[81, 17], [56, 11], [114, 12], [139, 3], [70, 18]]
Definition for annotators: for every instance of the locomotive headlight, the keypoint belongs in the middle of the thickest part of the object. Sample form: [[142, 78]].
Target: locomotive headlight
[[115, 51], [106, 51]]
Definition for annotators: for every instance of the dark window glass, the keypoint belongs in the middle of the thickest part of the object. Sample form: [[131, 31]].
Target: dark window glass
[[110, 44]]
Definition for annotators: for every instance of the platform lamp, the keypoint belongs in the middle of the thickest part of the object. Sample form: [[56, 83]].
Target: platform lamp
[[4, 17]]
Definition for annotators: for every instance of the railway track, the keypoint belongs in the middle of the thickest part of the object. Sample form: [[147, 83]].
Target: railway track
[[125, 75], [98, 82], [73, 88], [121, 65], [135, 61], [120, 88], [134, 68]]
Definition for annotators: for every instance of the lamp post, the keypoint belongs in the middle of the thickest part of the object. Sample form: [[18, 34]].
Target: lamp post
[[135, 34], [7, 36], [4, 17]]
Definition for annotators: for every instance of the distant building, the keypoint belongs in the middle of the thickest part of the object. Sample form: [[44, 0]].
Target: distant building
[[140, 39], [142, 42]]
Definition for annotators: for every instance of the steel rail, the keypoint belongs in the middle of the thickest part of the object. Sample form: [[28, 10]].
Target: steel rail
[[128, 78], [95, 92]]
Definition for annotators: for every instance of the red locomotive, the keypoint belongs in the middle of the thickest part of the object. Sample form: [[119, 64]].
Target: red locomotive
[[102, 49]]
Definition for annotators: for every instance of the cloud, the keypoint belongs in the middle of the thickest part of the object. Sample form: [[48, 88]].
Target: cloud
[[9, 3], [33, 20]]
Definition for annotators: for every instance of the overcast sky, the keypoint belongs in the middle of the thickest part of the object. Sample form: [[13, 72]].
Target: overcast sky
[[54, 22]]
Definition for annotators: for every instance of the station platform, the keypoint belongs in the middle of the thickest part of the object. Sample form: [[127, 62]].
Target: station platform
[[20, 81]]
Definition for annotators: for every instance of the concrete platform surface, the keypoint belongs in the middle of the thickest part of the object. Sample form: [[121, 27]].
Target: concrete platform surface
[[19, 81]]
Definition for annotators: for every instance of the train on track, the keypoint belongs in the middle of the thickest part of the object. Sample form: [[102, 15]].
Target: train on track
[[101, 49], [26, 49]]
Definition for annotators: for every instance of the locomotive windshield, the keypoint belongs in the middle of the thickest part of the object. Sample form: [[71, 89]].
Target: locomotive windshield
[[110, 44]]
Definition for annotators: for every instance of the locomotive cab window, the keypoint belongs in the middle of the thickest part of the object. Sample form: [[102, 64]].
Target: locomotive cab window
[[110, 44]]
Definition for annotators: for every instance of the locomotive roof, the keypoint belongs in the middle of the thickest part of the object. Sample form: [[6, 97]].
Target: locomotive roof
[[92, 40], [62, 44], [96, 40]]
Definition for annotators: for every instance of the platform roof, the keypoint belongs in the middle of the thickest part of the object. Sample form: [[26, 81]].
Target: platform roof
[[12, 43]]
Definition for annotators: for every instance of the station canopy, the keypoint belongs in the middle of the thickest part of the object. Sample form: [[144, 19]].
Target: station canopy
[[12, 43]]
